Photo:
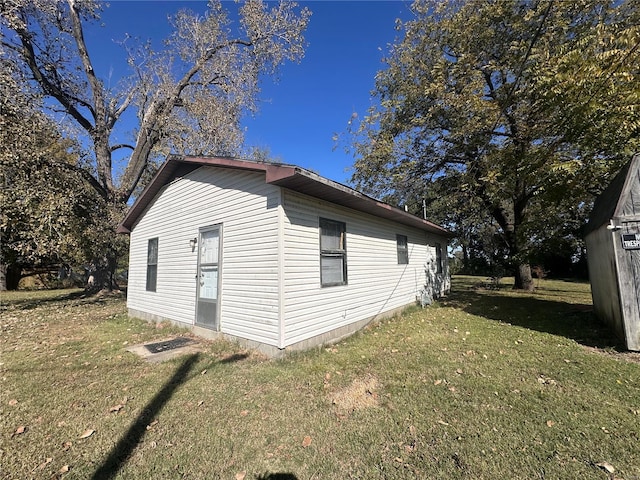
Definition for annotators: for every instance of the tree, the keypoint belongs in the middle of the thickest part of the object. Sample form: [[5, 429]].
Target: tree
[[188, 97], [524, 103], [50, 212]]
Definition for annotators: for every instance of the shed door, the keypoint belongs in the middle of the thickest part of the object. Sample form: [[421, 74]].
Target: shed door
[[208, 278]]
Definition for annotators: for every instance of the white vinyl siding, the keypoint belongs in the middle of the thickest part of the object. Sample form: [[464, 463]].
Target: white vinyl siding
[[247, 209], [377, 283]]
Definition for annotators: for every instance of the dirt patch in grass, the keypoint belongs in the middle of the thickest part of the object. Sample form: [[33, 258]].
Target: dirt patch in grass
[[624, 356], [361, 394]]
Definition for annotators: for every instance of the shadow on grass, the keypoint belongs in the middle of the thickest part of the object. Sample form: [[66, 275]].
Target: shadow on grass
[[236, 357], [570, 320], [125, 446], [277, 476], [40, 299]]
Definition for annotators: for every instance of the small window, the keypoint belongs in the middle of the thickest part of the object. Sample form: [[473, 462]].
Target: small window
[[152, 264], [333, 253], [439, 268], [403, 249]]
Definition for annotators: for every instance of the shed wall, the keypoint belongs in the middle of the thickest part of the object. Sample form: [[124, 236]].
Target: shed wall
[[629, 284], [376, 283], [604, 279], [247, 209]]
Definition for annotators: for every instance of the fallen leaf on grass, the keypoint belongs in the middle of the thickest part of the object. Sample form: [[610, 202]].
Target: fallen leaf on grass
[[64, 469], [87, 433], [13, 402], [306, 441], [19, 431], [606, 466], [66, 446], [203, 371], [550, 423], [152, 424], [244, 413], [443, 423], [116, 408], [43, 464], [241, 475]]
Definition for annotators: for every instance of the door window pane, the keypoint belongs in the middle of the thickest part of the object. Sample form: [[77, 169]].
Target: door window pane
[[209, 283], [209, 245]]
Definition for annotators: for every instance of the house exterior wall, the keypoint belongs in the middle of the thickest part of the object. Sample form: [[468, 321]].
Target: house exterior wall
[[376, 283], [248, 211], [271, 295]]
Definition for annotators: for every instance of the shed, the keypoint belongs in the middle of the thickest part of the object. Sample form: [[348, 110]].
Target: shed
[[274, 255], [613, 254]]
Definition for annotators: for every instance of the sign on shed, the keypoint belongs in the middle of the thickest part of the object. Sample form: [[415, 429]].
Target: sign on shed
[[631, 241]]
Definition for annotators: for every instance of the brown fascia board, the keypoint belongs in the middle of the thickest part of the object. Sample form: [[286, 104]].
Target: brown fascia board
[[287, 176]]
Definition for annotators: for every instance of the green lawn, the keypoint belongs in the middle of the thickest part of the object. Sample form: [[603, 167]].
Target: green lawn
[[486, 384]]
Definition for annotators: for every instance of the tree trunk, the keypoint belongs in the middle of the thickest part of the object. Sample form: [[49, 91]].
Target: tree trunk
[[524, 281], [9, 277]]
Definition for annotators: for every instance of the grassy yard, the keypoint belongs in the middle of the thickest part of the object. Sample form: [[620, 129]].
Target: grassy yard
[[486, 384]]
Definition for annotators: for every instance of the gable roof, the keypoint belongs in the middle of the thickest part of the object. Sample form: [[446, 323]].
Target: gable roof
[[288, 176], [609, 203]]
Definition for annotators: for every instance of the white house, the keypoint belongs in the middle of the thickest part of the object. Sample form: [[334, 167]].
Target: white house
[[273, 255]]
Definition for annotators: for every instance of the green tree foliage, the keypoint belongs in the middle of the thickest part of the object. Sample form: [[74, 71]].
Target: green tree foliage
[[526, 107], [187, 98], [50, 214]]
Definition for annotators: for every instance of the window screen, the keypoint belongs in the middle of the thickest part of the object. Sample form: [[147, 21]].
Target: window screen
[[403, 249], [333, 253], [152, 264]]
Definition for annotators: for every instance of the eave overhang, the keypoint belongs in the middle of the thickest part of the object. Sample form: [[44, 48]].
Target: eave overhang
[[287, 176]]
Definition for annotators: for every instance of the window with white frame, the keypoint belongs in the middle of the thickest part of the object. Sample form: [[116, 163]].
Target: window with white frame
[[333, 253], [152, 264]]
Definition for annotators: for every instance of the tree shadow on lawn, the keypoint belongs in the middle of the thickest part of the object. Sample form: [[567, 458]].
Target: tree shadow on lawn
[[276, 476], [570, 320], [121, 452], [76, 296]]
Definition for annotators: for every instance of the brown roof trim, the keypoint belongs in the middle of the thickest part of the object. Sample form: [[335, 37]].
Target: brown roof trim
[[287, 176]]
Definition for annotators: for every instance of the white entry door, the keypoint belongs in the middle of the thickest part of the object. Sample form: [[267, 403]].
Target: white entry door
[[208, 278]]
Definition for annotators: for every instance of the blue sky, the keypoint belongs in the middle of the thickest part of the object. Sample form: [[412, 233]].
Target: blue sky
[[313, 100]]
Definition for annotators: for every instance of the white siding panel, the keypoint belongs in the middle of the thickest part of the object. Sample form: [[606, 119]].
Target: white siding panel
[[376, 283], [244, 205]]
